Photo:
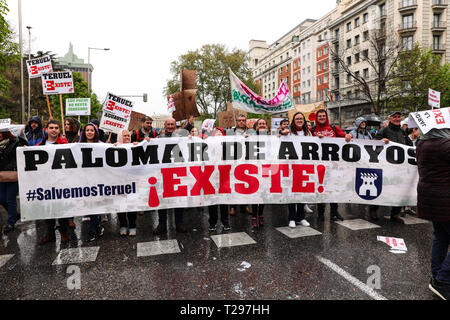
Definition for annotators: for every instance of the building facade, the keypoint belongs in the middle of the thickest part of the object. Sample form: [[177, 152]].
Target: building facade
[[70, 61], [306, 57]]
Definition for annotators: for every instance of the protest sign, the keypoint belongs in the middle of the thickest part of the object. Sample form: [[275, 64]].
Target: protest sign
[[208, 124], [116, 113], [78, 107], [226, 119], [5, 123], [434, 98], [276, 123], [57, 82], [245, 99], [36, 67], [431, 119], [178, 172]]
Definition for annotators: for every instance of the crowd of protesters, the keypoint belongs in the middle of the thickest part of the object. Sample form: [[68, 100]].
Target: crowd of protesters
[[430, 158]]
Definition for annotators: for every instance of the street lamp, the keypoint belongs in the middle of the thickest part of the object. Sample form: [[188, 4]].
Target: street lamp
[[89, 65], [21, 63], [29, 79], [89, 69]]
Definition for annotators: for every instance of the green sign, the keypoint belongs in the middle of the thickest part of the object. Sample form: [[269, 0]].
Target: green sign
[[78, 107]]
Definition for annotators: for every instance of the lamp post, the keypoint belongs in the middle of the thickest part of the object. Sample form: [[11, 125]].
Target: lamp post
[[89, 69], [21, 63], [29, 79]]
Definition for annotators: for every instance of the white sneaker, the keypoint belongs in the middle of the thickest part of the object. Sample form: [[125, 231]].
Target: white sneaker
[[104, 218], [292, 224], [123, 231], [86, 219], [132, 233], [304, 223], [308, 209]]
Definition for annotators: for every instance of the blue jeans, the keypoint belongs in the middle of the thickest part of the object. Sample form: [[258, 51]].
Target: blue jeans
[[162, 215], [8, 194], [440, 258]]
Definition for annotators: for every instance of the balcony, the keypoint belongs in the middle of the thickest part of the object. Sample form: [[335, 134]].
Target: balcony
[[439, 4], [335, 39], [439, 26], [407, 27], [407, 6], [438, 48]]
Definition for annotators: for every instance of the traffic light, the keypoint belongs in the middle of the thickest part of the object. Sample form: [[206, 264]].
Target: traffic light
[[145, 97]]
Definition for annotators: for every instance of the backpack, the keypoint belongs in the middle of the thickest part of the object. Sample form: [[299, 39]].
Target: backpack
[[137, 134]]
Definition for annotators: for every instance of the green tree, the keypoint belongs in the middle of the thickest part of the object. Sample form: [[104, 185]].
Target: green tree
[[415, 72], [212, 62], [8, 49]]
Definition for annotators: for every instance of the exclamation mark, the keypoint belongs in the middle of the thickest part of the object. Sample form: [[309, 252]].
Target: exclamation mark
[[321, 174], [153, 199]]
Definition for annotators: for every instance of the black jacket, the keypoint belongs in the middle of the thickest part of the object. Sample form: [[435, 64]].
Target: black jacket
[[395, 134], [8, 161]]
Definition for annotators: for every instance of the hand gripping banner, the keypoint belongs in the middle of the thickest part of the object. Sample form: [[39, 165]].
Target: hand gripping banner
[[180, 172]]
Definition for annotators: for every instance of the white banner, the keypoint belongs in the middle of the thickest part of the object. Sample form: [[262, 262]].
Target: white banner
[[116, 113], [36, 67], [57, 83], [81, 179], [430, 119], [434, 98], [78, 107], [5, 123]]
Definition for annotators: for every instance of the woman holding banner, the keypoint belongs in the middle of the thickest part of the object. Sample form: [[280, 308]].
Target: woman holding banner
[[127, 220], [299, 128], [260, 128], [90, 134], [213, 210]]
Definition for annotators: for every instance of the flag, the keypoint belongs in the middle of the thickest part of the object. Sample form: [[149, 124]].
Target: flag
[[171, 105]]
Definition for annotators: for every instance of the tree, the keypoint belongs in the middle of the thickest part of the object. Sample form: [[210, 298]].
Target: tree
[[8, 49], [379, 51], [415, 72], [212, 62]]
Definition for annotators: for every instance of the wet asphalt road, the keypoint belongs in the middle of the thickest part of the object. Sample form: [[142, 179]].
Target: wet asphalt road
[[331, 265]]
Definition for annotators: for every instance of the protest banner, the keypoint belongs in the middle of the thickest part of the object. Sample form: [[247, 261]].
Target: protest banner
[[245, 99], [116, 113], [78, 107], [57, 82], [430, 119], [36, 67], [434, 98], [178, 172]]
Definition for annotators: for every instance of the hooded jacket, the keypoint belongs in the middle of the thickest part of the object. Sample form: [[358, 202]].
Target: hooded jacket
[[327, 130], [359, 133], [34, 137]]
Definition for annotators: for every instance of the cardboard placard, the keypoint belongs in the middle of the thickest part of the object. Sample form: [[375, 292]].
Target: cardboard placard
[[188, 79], [57, 82]]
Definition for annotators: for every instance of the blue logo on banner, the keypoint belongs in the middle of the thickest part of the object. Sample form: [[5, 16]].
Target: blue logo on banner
[[369, 183]]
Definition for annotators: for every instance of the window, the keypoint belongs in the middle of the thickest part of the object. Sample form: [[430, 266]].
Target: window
[[365, 35], [407, 21], [303, 70], [357, 92], [319, 81], [366, 73], [365, 18], [357, 40], [325, 79], [356, 57], [383, 9], [325, 65], [357, 22], [325, 50], [408, 43], [319, 67], [349, 60], [366, 53], [437, 42], [309, 56], [349, 26], [436, 20], [287, 68], [349, 78], [357, 74], [336, 33], [281, 71], [309, 83], [349, 43], [309, 69], [320, 53]]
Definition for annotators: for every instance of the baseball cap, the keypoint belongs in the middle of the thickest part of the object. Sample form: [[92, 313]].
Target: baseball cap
[[395, 112]]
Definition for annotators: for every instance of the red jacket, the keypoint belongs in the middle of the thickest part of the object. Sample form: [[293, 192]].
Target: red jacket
[[327, 129], [60, 140]]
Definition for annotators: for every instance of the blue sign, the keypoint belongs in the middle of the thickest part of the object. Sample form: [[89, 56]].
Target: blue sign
[[369, 183]]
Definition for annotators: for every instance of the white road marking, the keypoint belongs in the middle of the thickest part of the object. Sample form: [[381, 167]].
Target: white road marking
[[5, 258], [357, 224], [298, 232], [232, 239], [366, 289], [76, 255], [153, 248]]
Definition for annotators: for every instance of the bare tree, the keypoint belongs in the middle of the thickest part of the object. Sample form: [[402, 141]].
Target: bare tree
[[380, 51]]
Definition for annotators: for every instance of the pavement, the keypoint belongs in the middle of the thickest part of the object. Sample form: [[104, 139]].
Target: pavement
[[327, 261]]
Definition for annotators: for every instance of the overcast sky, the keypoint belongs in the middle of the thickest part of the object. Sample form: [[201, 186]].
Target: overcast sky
[[146, 36]]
